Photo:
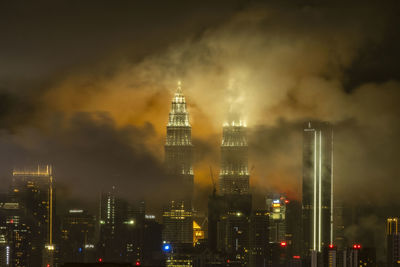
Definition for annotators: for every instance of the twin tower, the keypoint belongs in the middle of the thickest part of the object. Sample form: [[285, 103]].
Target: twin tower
[[234, 174]]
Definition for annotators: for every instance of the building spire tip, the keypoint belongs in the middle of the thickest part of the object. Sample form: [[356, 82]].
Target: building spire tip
[[179, 90]]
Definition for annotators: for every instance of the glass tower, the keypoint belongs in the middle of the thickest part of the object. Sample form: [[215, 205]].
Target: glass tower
[[317, 206]]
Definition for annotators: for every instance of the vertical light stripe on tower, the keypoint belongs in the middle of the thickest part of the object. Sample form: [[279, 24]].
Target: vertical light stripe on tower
[[331, 230], [315, 193], [320, 192]]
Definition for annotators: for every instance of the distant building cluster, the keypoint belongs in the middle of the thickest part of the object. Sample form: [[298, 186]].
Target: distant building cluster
[[284, 233]]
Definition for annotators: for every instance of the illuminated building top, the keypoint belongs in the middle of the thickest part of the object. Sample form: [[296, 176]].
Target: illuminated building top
[[45, 171], [392, 226], [179, 115]]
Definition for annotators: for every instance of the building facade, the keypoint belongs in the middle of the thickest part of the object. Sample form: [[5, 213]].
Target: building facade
[[77, 236], [393, 242], [317, 199], [178, 225], [34, 190]]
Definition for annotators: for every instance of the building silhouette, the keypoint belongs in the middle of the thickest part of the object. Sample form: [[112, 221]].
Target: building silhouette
[[77, 236], [121, 229], [34, 190], [393, 242], [229, 211], [317, 199]]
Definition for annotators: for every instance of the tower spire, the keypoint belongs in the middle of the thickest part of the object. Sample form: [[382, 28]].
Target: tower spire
[[179, 89]]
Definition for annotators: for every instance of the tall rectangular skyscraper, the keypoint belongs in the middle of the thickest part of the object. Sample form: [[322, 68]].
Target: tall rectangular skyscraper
[[34, 190], [317, 204], [393, 241]]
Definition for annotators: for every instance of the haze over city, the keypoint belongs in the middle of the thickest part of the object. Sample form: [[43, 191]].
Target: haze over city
[[87, 87]]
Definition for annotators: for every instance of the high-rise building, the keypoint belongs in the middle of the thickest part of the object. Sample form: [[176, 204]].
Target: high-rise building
[[317, 200], [233, 237], [179, 148], [152, 231], [393, 242], [258, 245], [34, 190], [17, 234], [121, 229], [276, 206], [77, 236], [178, 224], [4, 251], [230, 211], [234, 174], [178, 215]]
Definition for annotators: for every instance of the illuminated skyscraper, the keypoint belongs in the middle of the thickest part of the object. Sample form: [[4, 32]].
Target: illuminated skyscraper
[[178, 225], [317, 204], [17, 235], [34, 190], [230, 211], [234, 174], [393, 242], [276, 206], [179, 148]]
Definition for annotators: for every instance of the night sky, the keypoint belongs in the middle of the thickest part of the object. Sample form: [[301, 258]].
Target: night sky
[[87, 87]]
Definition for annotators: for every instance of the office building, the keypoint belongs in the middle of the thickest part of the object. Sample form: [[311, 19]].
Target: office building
[[258, 238], [276, 206], [317, 199], [178, 224], [121, 229], [393, 242], [17, 234], [34, 190], [77, 236]]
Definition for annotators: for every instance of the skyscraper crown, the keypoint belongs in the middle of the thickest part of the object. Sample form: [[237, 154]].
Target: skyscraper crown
[[178, 115]]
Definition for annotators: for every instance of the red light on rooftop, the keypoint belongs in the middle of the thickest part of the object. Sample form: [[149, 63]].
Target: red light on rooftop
[[356, 246], [100, 259], [228, 261], [330, 245], [286, 201], [296, 257], [137, 263], [283, 244], [11, 221]]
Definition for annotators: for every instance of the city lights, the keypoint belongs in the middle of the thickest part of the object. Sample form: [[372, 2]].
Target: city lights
[[167, 247], [203, 133]]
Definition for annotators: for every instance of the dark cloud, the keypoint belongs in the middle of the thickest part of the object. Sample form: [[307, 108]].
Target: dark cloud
[[87, 87], [90, 154]]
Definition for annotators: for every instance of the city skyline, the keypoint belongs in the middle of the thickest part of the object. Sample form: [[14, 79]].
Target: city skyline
[[87, 88]]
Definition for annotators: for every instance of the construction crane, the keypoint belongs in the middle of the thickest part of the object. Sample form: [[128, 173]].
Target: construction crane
[[213, 182]]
